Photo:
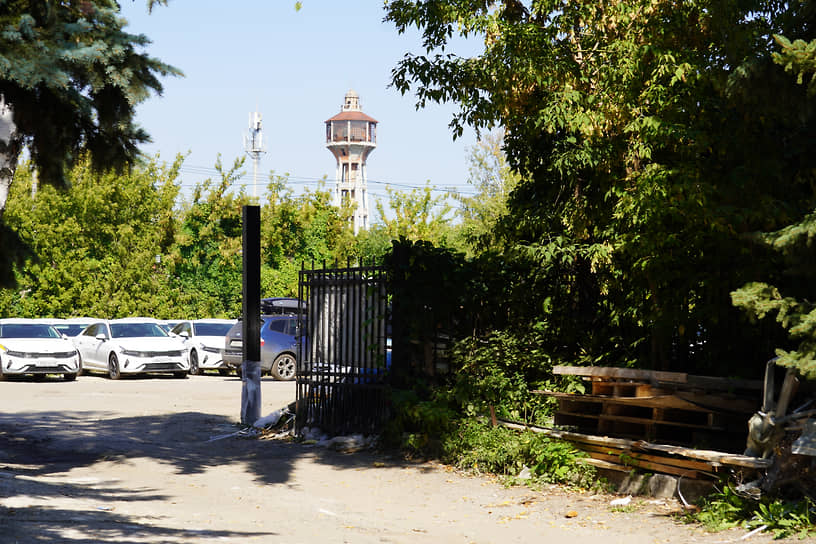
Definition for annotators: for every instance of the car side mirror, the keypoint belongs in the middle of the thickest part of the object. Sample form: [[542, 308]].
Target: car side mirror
[[101, 336], [184, 334]]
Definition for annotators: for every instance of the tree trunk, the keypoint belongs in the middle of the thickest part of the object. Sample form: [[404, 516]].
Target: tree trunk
[[10, 146]]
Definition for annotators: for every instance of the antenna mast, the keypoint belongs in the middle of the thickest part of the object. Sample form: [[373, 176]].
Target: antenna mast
[[253, 145]]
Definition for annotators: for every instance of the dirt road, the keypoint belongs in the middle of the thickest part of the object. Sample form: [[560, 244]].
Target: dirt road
[[133, 461]]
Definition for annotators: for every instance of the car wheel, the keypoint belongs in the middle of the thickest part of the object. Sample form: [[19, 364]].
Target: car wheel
[[113, 367], [69, 376], [283, 368], [224, 371], [3, 377], [80, 370], [180, 375], [194, 368]]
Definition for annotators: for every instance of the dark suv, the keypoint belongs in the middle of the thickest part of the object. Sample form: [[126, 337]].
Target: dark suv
[[278, 346]]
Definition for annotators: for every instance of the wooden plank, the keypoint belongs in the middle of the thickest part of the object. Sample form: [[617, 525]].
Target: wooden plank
[[683, 400], [705, 455], [648, 465], [604, 464], [663, 401], [626, 373], [680, 462], [658, 376]]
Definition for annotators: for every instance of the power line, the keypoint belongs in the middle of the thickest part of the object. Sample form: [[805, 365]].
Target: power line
[[246, 179]]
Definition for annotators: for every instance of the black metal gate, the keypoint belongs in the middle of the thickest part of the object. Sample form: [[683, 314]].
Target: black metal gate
[[342, 353]]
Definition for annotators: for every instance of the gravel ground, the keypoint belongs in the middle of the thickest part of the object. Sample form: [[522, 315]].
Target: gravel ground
[[134, 461]]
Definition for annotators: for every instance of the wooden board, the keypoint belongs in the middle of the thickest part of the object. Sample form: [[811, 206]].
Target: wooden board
[[723, 458], [651, 466], [656, 376], [684, 401], [678, 462]]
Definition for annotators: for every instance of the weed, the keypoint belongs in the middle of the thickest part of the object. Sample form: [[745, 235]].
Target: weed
[[478, 446], [726, 509]]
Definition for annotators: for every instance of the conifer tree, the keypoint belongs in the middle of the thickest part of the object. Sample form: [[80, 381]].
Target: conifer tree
[[70, 79], [791, 299]]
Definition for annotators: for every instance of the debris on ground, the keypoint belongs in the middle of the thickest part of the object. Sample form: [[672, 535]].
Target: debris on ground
[[346, 444], [623, 501]]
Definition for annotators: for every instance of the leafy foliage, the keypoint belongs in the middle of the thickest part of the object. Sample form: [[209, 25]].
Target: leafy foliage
[[205, 262], [418, 215], [95, 246], [634, 127], [113, 245], [726, 509], [477, 446], [75, 62], [493, 180], [499, 371], [798, 57], [795, 311]]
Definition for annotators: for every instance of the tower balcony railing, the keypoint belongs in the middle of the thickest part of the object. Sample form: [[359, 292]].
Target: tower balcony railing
[[339, 139], [351, 132]]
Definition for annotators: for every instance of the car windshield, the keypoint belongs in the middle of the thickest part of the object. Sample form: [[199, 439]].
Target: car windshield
[[136, 330], [28, 330], [168, 326], [71, 330], [212, 329]]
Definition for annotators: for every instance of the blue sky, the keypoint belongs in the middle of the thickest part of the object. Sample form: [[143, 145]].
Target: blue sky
[[295, 68]]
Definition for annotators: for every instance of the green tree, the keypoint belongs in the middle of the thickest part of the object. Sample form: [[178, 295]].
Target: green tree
[[493, 180], [96, 245], [205, 260], [637, 129], [791, 299], [296, 229], [415, 216]]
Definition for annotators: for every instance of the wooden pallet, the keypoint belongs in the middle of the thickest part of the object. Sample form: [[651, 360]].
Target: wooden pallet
[[671, 407]]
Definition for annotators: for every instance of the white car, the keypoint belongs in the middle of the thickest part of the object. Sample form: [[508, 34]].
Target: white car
[[204, 339], [133, 345], [28, 346]]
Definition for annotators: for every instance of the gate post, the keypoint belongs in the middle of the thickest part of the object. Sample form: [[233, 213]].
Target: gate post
[[399, 333]]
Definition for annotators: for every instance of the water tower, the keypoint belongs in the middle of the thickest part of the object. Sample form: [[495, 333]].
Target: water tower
[[351, 136]]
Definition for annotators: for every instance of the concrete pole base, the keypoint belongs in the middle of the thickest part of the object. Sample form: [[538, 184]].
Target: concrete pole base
[[250, 392]]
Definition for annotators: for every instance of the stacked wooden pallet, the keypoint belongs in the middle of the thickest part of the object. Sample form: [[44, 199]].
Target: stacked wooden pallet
[[683, 412]]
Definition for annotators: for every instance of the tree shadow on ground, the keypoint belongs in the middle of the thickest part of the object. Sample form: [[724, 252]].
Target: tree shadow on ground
[[37, 446]]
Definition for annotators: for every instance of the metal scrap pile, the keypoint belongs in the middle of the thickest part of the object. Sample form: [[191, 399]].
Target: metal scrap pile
[[784, 435]]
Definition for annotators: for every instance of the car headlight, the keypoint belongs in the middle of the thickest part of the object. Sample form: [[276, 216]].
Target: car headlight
[[134, 353], [17, 353]]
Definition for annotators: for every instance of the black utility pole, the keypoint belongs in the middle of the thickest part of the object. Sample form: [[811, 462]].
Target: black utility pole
[[251, 366]]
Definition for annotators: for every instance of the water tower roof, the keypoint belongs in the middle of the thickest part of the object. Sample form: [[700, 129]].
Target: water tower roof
[[352, 115]]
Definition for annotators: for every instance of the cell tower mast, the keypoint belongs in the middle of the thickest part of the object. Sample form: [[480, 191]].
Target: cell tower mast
[[253, 145]]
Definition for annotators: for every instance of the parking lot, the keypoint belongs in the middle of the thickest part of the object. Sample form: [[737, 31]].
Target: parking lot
[[140, 460]]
